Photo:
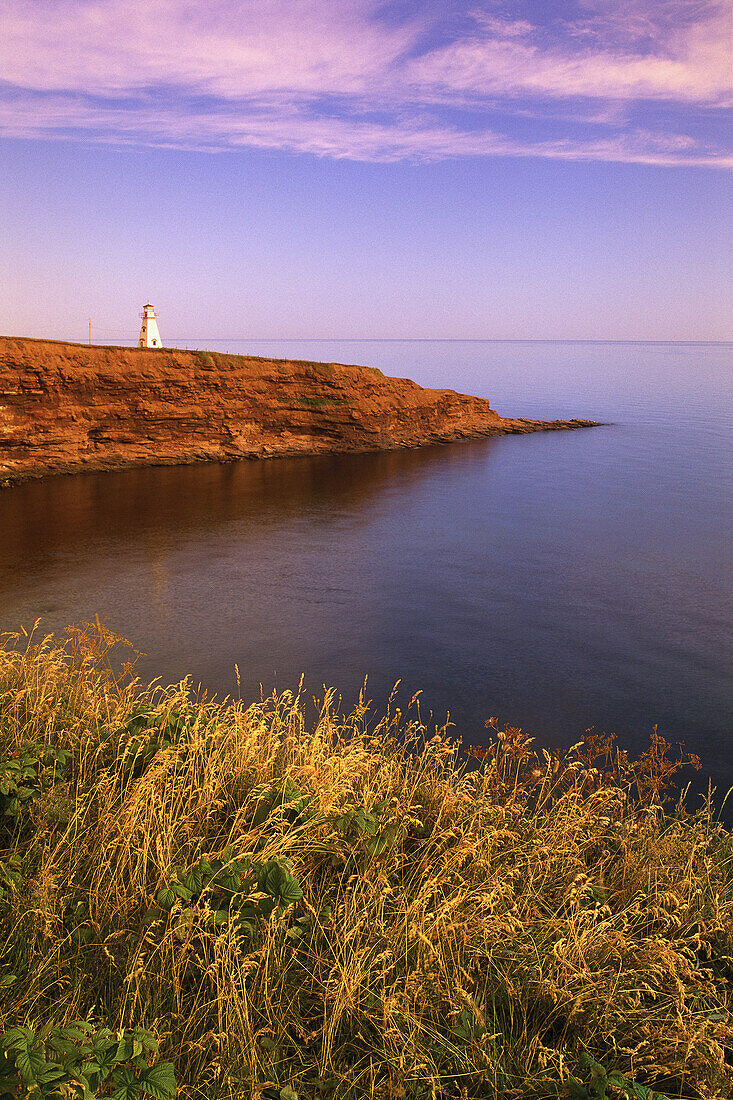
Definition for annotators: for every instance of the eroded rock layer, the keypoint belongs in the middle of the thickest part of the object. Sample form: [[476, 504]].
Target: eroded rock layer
[[68, 407]]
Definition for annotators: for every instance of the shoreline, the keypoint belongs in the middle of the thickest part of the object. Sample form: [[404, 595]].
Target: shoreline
[[68, 408]]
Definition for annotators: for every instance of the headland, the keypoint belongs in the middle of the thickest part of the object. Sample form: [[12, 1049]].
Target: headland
[[66, 408]]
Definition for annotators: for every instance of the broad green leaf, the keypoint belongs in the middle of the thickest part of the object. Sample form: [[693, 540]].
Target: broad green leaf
[[266, 907], [123, 1053], [106, 1058], [16, 1038], [192, 881], [128, 1087], [29, 1064], [78, 1030], [576, 1090], [181, 891], [166, 898], [63, 1046], [159, 1081], [261, 814], [104, 1046], [146, 1038], [126, 1092], [52, 1071], [246, 927], [275, 879], [227, 881], [376, 845]]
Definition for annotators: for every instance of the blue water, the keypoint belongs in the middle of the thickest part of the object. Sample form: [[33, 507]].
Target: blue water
[[558, 581]]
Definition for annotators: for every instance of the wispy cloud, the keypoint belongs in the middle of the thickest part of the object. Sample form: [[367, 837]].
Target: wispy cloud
[[686, 63], [338, 78]]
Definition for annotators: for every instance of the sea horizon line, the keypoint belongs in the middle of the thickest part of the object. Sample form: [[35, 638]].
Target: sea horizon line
[[442, 340]]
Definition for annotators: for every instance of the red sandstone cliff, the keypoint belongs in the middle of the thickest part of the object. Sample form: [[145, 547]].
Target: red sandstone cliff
[[68, 407]]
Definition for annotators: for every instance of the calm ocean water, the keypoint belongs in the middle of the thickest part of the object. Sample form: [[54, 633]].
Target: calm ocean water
[[557, 581]]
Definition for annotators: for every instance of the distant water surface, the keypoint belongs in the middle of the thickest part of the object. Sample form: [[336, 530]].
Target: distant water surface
[[557, 581]]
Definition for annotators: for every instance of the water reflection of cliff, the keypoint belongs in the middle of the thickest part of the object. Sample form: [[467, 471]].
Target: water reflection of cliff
[[162, 507], [303, 565]]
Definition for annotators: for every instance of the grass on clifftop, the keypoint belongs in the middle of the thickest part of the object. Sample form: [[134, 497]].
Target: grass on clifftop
[[329, 912]]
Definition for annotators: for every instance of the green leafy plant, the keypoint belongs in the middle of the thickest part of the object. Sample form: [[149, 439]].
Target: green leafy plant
[[314, 402], [275, 879], [24, 775], [11, 877], [467, 1027], [286, 801], [76, 921], [243, 890], [149, 730], [603, 1084], [372, 831], [83, 1061]]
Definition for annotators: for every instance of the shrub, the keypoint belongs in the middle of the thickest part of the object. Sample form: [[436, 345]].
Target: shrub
[[84, 1061], [24, 775]]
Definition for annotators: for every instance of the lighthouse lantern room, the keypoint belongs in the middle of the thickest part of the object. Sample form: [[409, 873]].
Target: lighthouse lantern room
[[149, 335]]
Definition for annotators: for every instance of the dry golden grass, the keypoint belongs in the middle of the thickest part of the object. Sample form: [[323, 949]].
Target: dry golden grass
[[484, 931]]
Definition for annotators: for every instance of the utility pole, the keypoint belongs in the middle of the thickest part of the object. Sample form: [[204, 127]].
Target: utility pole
[[90, 332]]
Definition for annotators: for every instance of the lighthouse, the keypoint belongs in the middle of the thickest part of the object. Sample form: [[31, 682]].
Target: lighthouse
[[149, 335]]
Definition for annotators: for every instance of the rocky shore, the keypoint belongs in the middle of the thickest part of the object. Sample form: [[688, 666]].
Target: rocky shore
[[68, 407]]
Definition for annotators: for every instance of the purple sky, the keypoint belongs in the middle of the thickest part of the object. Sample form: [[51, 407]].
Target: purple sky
[[336, 168]]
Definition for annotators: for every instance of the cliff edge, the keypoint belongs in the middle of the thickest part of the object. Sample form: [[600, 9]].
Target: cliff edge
[[69, 407]]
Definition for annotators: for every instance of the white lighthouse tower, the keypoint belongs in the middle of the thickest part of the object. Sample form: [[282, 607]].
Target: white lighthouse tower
[[149, 335]]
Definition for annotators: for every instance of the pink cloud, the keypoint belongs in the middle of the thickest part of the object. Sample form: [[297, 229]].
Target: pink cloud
[[355, 139], [108, 47], [330, 77], [690, 64]]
